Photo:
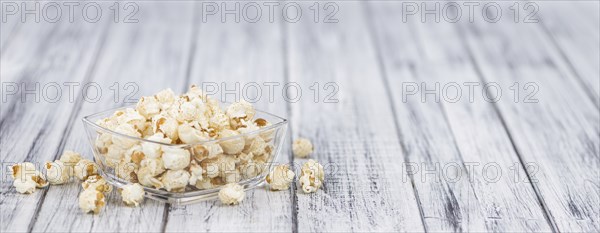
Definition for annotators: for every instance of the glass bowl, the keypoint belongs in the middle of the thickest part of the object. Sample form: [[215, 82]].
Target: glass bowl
[[171, 171]]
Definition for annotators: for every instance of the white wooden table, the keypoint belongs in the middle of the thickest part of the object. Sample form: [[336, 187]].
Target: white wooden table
[[395, 162]]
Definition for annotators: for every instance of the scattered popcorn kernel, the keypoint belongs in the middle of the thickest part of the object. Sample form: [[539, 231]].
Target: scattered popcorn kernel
[[91, 200], [175, 181], [24, 185], [132, 194], [57, 172], [302, 147], [231, 146], [85, 168], [231, 194], [70, 158], [26, 172], [175, 158], [40, 180], [312, 176], [22, 170], [96, 182], [281, 177]]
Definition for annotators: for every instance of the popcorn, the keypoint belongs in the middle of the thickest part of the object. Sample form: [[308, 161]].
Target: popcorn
[[312, 176], [227, 170], [175, 158], [132, 194], [114, 155], [154, 166], [166, 125], [189, 134], [175, 181], [132, 117], [231, 194], [280, 178], [302, 147], [256, 147], [192, 118], [231, 146], [123, 142], [127, 171], [70, 158], [251, 169], [22, 170], [238, 111], [146, 178], [196, 172], [57, 172], [219, 121], [96, 182], [26, 172], [211, 167], [85, 168], [24, 186], [165, 98], [91, 200], [103, 141], [267, 135], [148, 106], [153, 150]]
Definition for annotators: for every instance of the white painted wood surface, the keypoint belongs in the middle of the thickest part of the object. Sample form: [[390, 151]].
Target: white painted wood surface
[[366, 140], [472, 186]]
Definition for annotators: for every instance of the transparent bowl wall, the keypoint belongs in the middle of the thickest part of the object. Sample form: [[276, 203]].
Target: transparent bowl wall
[[249, 175]]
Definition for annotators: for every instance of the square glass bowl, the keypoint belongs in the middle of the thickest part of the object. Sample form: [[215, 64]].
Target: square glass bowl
[[119, 162]]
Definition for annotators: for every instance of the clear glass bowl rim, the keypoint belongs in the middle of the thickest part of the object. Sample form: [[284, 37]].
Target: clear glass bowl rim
[[88, 120]]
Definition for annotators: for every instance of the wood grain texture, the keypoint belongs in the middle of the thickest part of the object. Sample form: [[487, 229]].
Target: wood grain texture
[[33, 130], [243, 54], [366, 186], [136, 53], [573, 28], [558, 135], [464, 177]]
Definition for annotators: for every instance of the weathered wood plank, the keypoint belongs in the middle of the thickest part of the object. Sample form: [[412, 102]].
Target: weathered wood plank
[[32, 130], [574, 28], [152, 55], [448, 142], [244, 54], [366, 186], [559, 133]]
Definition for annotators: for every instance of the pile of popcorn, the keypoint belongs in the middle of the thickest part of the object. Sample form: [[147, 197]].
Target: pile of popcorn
[[181, 156], [190, 144], [27, 178]]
